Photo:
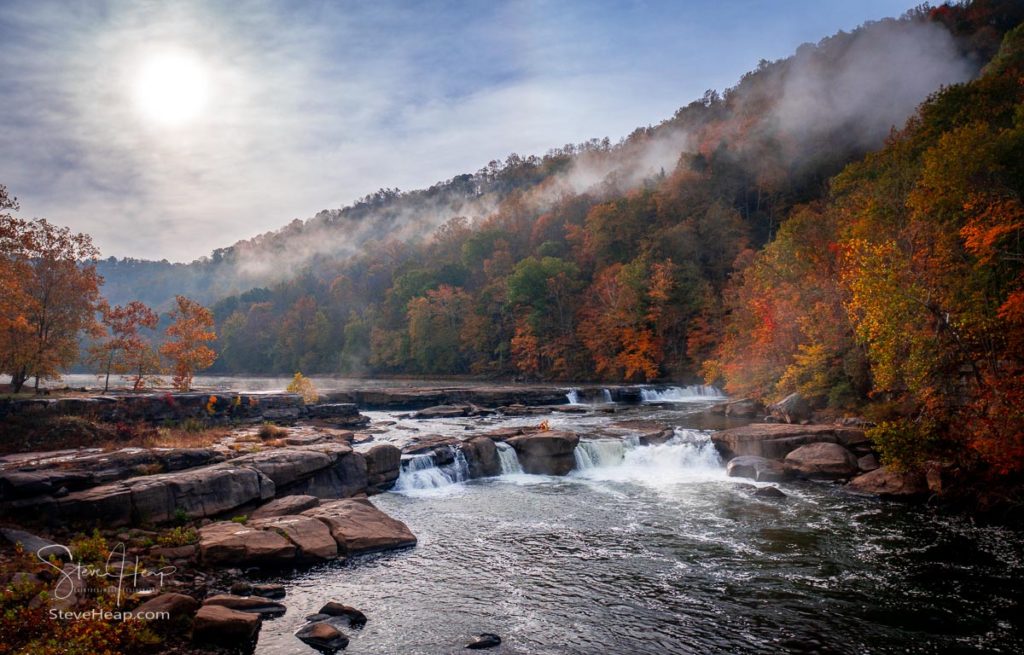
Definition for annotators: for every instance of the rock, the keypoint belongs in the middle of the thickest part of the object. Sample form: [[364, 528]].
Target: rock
[[286, 466], [356, 619], [756, 468], [346, 477], [739, 408], [268, 590], [311, 537], [173, 552], [253, 604], [484, 640], [482, 457], [769, 492], [546, 453], [35, 545], [227, 542], [776, 440], [444, 411], [222, 626], [867, 463], [889, 483], [177, 606], [359, 527], [285, 505], [322, 636], [383, 464], [821, 460], [794, 408], [241, 588]]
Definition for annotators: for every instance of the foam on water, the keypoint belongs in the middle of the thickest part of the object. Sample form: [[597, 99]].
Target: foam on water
[[689, 394]]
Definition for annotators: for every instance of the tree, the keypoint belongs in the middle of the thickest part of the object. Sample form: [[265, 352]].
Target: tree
[[303, 386], [124, 350], [191, 329], [50, 292]]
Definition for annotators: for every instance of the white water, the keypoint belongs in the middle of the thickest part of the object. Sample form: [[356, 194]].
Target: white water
[[419, 473], [686, 457], [509, 460], [574, 398], [688, 394]]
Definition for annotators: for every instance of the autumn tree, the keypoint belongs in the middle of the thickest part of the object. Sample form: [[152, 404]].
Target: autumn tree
[[191, 329], [50, 293], [123, 349]]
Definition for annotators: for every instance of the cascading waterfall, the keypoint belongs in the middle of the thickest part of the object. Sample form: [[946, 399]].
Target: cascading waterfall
[[509, 460], [421, 472], [688, 394], [689, 455], [573, 396], [606, 396]]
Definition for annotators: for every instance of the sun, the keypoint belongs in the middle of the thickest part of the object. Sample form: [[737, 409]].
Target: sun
[[171, 88]]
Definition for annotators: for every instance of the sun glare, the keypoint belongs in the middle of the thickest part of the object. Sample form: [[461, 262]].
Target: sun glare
[[171, 88]]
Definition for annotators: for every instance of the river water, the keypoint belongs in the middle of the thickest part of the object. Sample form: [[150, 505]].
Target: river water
[[652, 549]]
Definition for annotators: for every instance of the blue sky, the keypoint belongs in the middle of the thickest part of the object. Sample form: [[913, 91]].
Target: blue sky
[[310, 105]]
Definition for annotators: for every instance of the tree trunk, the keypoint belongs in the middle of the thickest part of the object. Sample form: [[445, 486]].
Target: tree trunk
[[18, 380]]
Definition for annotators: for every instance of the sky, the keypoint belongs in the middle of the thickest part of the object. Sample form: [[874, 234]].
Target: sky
[[167, 129]]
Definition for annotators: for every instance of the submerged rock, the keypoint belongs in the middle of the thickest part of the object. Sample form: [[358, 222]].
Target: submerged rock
[[546, 453], [484, 640], [355, 618], [322, 636], [822, 460], [756, 468], [769, 492]]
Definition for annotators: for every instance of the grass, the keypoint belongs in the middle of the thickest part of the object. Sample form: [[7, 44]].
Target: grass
[[19, 434]]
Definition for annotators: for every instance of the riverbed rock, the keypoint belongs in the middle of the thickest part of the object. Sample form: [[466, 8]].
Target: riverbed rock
[[794, 408], [821, 460], [354, 617], [285, 506], [253, 604], [345, 477], [223, 626], [33, 544], [482, 457], [756, 468], [776, 440], [177, 606], [868, 463], [450, 411], [740, 408], [769, 492], [359, 527], [546, 453], [484, 640], [383, 464], [889, 483], [311, 537], [227, 542], [322, 636]]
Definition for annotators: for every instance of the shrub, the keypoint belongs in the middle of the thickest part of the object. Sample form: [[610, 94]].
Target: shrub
[[305, 387], [178, 536], [905, 444], [270, 431]]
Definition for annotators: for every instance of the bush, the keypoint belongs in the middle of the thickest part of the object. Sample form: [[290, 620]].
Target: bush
[[178, 536], [905, 444], [305, 387], [270, 431]]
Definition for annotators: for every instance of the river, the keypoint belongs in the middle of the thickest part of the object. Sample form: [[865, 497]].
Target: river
[[652, 549]]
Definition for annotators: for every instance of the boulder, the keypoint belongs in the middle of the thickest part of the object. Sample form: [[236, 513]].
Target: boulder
[[322, 636], [484, 640], [268, 590], [285, 506], [775, 440], [311, 537], [383, 464], [444, 411], [756, 468], [35, 545], [867, 463], [890, 483], [230, 543], [177, 606], [344, 478], [287, 465], [821, 460], [253, 604], [769, 492], [546, 453], [223, 626], [359, 527], [355, 617], [482, 456], [794, 408]]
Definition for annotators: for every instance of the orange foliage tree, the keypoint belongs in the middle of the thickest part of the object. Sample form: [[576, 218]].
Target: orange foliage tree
[[124, 350], [191, 329]]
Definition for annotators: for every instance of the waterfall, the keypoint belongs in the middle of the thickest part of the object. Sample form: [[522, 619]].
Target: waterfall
[[509, 460], [573, 396], [606, 396], [688, 456], [421, 472], [689, 394]]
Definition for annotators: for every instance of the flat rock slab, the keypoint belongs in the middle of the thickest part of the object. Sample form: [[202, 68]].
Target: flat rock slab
[[359, 527], [776, 440], [253, 604], [223, 626], [756, 468], [230, 543], [311, 537], [285, 505]]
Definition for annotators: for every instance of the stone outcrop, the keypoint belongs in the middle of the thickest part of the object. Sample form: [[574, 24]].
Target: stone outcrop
[[740, 408], [223, 626], [756, 468], [546, 453], [775, 441], [383, 465], [889, 483], [821, 460], [311, 537], [284, 506], [226, 542], [359, 527], [482, 457], [794, 408]]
